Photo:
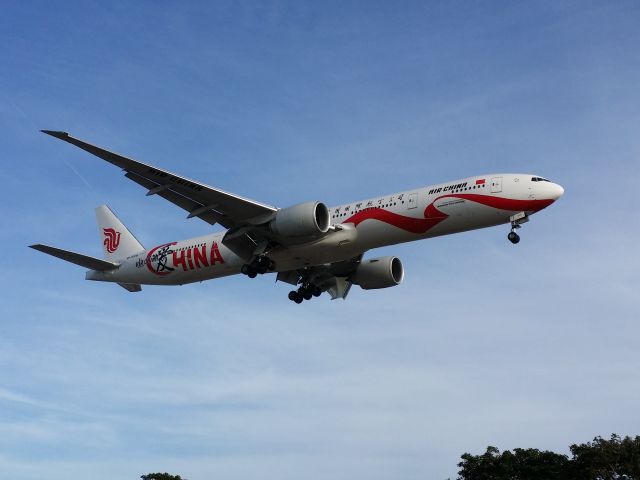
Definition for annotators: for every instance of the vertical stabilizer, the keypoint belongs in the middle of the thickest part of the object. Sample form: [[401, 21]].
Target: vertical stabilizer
[[117, 241]]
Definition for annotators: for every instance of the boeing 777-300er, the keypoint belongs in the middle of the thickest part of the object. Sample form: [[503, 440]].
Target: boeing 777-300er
[[310, 246]]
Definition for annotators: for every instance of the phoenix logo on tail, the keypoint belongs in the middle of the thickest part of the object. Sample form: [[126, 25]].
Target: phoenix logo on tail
[[111, 240]]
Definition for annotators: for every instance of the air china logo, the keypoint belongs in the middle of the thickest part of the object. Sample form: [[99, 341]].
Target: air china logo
[[164, 259], [111, 239]]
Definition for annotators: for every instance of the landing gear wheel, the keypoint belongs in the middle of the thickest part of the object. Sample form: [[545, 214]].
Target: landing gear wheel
[[295, 296], [258, 265], [317, 291], [307, 295], [513, 237], [249, 270]]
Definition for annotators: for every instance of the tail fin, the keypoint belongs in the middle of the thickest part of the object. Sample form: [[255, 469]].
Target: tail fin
[[118, 242]]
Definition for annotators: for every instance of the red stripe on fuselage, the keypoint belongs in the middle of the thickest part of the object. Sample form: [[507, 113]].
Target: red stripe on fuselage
[[502, 203], [433, 216], [410, 224]]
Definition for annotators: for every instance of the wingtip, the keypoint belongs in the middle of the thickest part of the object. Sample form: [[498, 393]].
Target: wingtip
[[55, 133]]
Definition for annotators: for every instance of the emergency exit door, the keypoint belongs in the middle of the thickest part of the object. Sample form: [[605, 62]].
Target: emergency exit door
[[413, 200]]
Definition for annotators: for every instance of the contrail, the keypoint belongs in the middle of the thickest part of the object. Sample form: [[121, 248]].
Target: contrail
[[84, 180]]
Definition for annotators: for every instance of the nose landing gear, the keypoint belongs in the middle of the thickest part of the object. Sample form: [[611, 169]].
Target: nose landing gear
[[516, 222]]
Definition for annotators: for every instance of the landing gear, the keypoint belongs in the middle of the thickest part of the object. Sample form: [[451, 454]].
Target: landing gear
[[516, 222], [306, 292], [259, 265]]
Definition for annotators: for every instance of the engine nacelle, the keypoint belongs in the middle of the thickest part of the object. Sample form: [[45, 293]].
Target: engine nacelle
[[380, 272], [309, 219]]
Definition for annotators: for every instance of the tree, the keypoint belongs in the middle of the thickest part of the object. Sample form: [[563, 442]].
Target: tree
[[161, 476], [522, 464], [614, 459]]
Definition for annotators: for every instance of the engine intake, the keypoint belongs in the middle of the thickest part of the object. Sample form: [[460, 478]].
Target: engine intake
[[307, 219], [380, 272]]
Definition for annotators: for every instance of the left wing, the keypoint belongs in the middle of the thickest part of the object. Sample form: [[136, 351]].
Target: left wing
[[207, 203]]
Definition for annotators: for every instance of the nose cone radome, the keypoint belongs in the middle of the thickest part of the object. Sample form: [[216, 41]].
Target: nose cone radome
[[556, 191]]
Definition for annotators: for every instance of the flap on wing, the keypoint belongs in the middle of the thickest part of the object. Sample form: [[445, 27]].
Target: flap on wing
[[210, 204], [340, 288], [77, 258], [131, 287], [208, 215], [240, 243], [291, 277]]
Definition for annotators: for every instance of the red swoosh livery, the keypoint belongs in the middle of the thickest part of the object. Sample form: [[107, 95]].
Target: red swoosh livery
[[433, 216]]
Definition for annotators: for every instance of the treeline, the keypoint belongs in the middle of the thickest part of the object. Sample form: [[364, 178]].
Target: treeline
[[613, 459]]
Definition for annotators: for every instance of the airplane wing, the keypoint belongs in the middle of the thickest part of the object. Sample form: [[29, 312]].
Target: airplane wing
[[207, 203]]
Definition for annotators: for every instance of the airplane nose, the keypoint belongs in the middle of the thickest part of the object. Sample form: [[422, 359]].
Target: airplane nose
[[557, 191]]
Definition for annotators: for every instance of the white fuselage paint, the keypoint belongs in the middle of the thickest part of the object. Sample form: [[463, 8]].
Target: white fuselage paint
[[446, 208]]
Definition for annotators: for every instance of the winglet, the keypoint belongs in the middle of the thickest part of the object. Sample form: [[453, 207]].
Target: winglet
[[54, 133]]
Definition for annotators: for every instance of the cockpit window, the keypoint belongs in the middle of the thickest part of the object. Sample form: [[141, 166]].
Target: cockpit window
[[539, 179]]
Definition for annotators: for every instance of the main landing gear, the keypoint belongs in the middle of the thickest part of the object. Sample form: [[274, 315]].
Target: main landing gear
[[305, 292], [259, 265]]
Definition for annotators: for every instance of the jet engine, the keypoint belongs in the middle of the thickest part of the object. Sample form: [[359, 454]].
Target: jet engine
[[309, 219], [380, 272]]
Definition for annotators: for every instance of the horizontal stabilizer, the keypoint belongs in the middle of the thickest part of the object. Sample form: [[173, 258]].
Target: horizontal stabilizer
[[77, 258]]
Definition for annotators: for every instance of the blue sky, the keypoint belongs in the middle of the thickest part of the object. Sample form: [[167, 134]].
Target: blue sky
[[484, 343]]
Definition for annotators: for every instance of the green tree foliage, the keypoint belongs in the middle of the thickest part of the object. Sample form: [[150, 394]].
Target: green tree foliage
[[614, 459], [521, 464], [161, 476]]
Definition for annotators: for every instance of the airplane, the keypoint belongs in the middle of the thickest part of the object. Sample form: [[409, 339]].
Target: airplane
[[310, 246]]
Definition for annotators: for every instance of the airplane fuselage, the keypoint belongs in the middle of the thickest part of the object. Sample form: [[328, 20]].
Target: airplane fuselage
[[442, 209]]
